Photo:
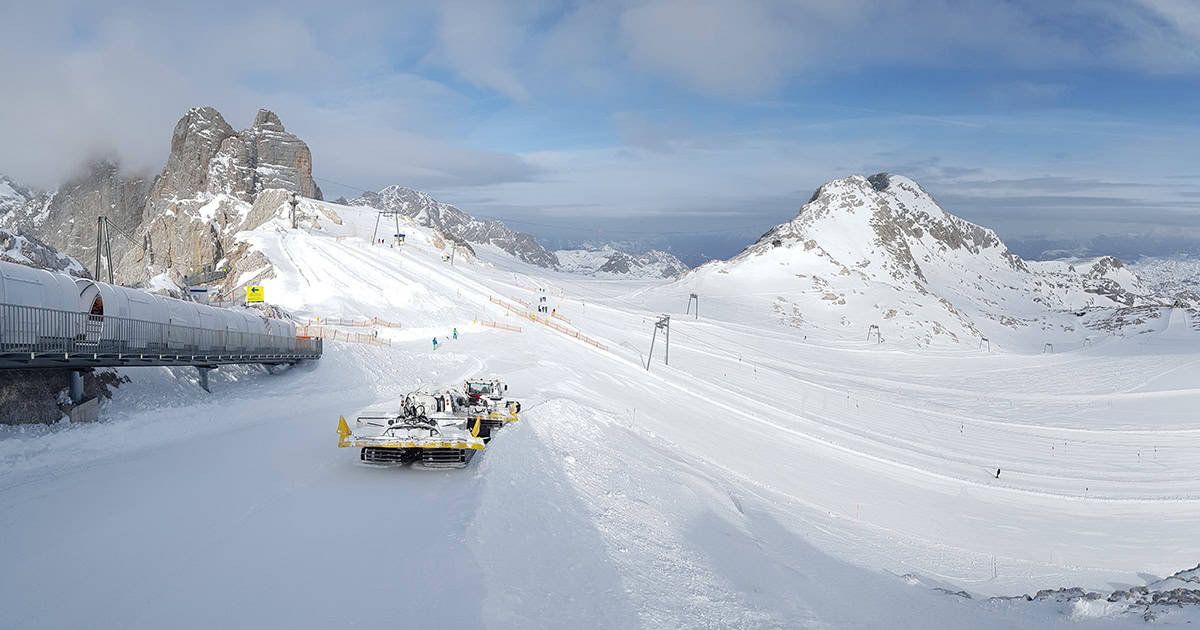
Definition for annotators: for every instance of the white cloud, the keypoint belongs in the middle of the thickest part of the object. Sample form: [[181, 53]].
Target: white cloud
[[379, 94], [78, 85], [717, 47], [479, 40]]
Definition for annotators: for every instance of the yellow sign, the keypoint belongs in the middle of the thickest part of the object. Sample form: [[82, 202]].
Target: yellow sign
[[254, 294]]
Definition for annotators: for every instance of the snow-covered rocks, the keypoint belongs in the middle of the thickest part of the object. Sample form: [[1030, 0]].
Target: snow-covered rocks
[[27, 250], [611, 261]]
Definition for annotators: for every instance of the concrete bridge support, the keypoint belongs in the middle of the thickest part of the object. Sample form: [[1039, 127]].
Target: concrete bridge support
[[76, 386], [204, 370]]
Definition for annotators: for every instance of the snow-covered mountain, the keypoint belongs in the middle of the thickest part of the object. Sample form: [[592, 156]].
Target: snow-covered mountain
[[27, 250], [183, 218], [456, 224], [609, 260], [1174, 277], [880, 252], [13, 196]]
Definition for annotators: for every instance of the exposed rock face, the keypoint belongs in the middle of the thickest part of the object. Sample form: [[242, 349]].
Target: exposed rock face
[[40, 396], [1172, 598], [66, 219], [214, 176], [197, 138], [208, 156], [458, 225]]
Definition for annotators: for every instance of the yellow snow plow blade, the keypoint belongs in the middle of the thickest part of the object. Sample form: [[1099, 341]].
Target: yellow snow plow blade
[[346, 439], [503, 417]]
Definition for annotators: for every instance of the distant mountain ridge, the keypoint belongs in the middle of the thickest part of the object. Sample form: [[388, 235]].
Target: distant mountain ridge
[[185, 219], [609, 260], [454, 223]]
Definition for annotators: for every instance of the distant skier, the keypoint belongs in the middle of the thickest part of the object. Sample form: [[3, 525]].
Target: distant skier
[[435, 343], [997, 473], [455, 333]]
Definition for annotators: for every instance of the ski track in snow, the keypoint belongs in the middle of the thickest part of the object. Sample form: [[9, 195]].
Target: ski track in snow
[[763, 479]]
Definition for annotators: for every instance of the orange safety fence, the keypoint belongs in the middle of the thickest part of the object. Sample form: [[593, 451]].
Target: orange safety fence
[[517, 299], [560, 328], [555, 315], [374, 321], [321, 332], [570, 333], [506, 305], [500, 326]]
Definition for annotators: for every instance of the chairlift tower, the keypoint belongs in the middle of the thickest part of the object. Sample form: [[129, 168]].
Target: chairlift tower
[[664, 324], [395, 214], [689, 306], [104, 229], [293, 202]]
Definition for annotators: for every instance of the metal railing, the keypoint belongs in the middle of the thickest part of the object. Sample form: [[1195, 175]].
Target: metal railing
[[205, 277], [32, 330]]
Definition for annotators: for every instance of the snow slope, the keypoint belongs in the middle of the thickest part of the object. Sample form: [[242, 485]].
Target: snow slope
[[769, 476]]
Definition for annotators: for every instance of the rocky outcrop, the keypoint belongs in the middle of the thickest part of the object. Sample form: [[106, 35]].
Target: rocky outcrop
[[188, 213], [214, 179], [208, 156], [40, 396], [455, 224], [27, 250]]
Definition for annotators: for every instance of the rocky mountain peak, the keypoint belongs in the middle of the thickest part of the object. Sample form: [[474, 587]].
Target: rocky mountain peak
[[885, 221], [197, 138], [266, 119], [880, 181]]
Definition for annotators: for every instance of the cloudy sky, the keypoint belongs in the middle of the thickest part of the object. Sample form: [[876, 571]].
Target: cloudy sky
[[703, 122]]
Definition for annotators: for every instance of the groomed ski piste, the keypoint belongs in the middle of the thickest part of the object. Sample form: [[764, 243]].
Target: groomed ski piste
[[767, 477]]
